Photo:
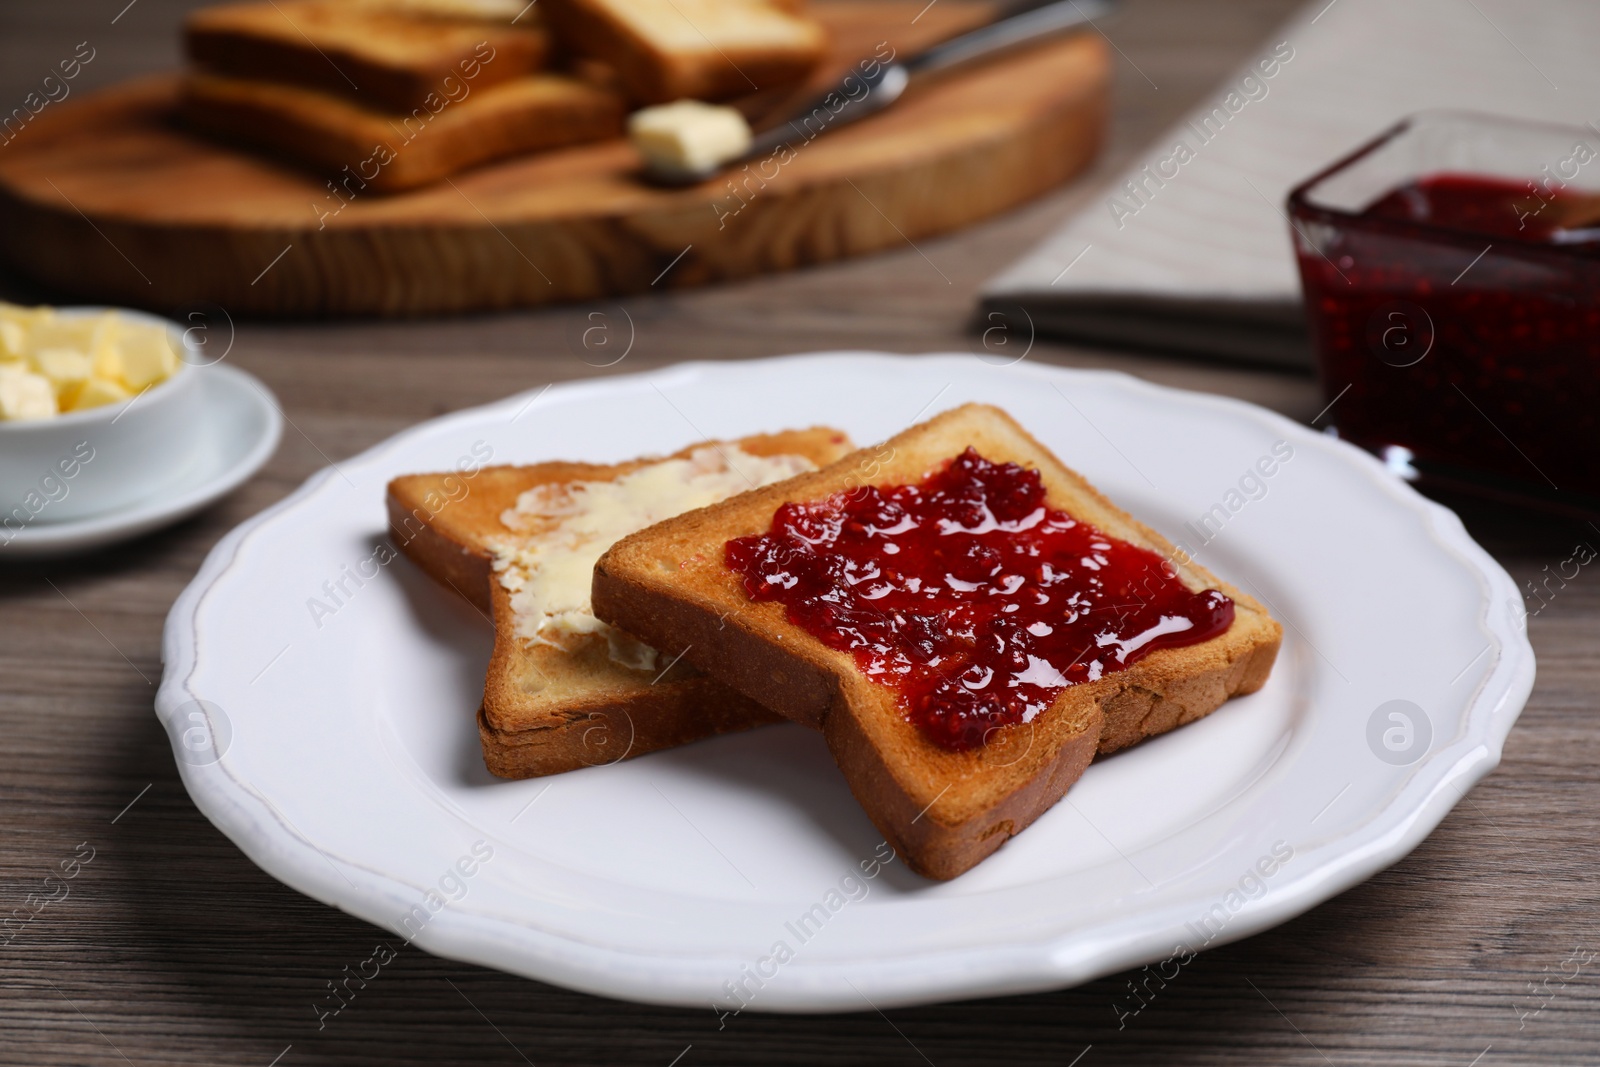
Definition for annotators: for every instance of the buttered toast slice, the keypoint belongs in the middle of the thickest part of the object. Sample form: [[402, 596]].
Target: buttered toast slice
[[579, 694], [966, 619], [665, 50]]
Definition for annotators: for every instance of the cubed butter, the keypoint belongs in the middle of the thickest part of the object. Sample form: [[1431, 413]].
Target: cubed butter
[[82, 361], [97, 391], [65, 367], [103, 348], [16, 324], [59, 331], [13, 339], [107, 362], [25, 395], [147, 358]]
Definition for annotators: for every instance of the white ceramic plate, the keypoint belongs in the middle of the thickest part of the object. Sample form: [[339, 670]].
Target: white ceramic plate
[[241, 431], [336, 744]]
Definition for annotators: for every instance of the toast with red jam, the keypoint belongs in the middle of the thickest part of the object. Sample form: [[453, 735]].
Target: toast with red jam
[[967, 620]]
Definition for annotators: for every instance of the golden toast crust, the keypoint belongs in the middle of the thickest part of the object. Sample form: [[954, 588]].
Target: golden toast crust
[[389, 153], [390, 60], [742, 47]]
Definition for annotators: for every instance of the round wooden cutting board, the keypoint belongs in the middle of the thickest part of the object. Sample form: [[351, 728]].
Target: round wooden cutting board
[[108, 199]]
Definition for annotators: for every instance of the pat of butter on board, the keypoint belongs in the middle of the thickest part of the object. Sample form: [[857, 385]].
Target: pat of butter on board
[[688, 137]]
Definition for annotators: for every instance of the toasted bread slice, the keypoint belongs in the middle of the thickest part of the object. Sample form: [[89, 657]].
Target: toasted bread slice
[[667, 50], [364, 149], [943, 810], [549, 708], [394, 55]]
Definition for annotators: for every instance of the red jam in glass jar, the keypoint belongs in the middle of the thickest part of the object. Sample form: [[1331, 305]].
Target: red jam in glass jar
[[1457, 315], [969, 597]]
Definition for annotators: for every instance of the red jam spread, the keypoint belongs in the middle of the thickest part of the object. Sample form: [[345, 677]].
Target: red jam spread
[[968, 596], [1488, 206], [1459, 316]]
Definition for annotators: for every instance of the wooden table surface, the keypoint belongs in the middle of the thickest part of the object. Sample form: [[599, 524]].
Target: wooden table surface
[[174, 949]]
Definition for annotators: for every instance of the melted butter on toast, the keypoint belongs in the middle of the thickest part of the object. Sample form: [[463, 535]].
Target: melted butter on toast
[[559, 530]]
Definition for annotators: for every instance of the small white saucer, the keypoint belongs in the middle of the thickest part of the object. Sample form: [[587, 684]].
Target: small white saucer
[[243, 425]]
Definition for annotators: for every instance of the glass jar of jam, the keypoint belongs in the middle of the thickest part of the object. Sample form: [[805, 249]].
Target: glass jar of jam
[[1452, 281]]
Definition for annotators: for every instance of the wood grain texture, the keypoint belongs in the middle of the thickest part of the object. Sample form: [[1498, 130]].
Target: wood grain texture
[[174, 949], [112, 181]]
